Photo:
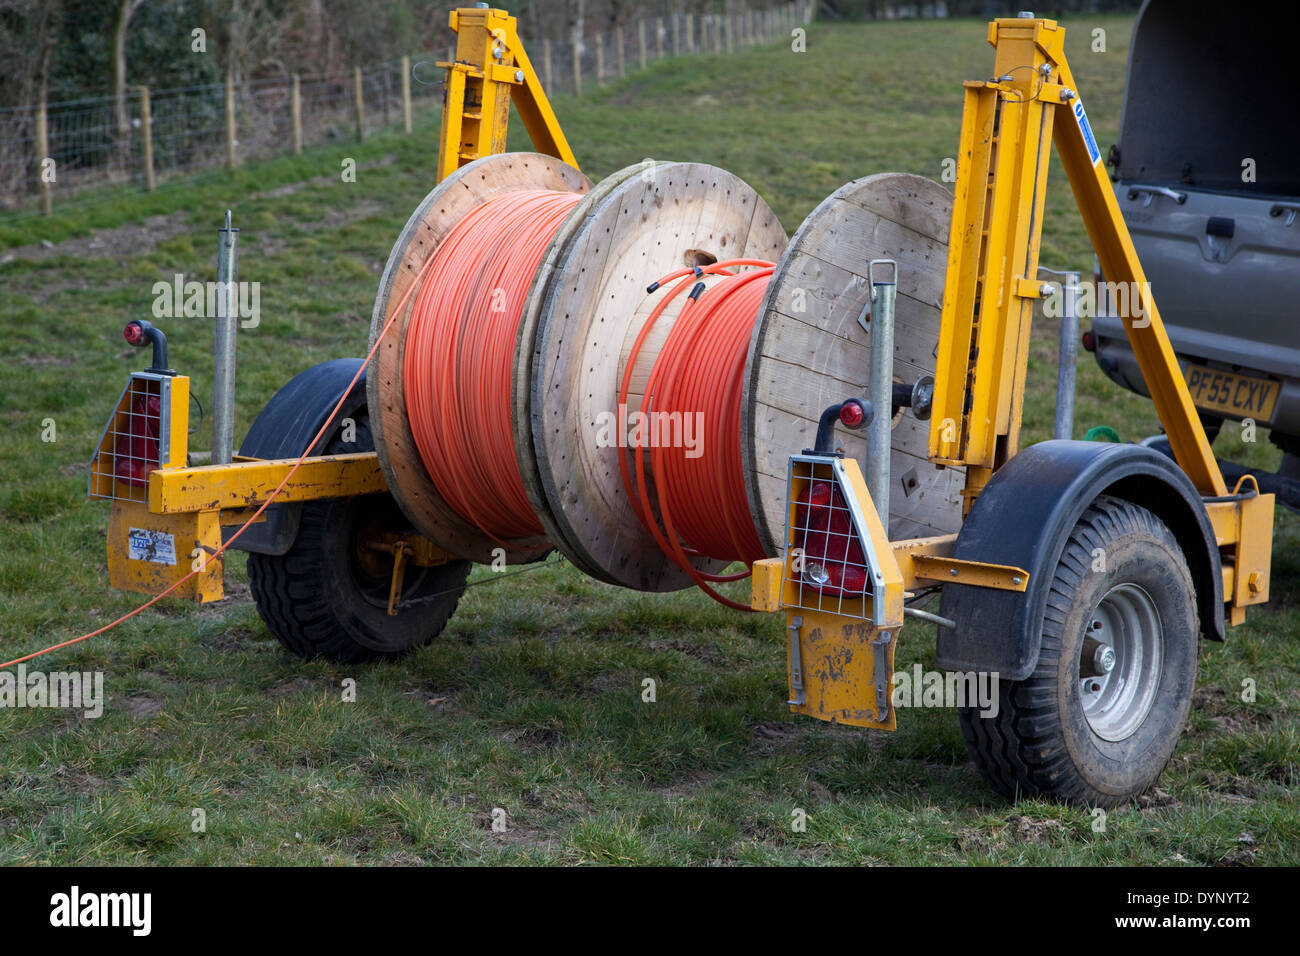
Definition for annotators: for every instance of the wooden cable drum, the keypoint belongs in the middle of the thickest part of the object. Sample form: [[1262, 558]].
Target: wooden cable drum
[[588, 303], [651, 221], [428, 226], [809, 352]]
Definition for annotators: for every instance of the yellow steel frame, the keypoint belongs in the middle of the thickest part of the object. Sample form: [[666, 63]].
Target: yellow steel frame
[[840, 653], [988, 305], [990, 287], [193, 503], [840, 663], [491, 69], [993, 260], [249, 482], [194, 538]]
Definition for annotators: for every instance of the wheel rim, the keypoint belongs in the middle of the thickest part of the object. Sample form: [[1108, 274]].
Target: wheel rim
[[1127, 622]]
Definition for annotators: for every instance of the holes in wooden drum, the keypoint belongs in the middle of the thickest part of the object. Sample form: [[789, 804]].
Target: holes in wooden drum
[[698, 258]]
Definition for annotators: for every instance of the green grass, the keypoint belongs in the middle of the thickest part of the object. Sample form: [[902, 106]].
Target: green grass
[[531, 699]]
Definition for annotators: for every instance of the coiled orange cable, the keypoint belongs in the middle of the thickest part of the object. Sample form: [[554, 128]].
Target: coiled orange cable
[[460, 361], [460, 355], [700, 370]]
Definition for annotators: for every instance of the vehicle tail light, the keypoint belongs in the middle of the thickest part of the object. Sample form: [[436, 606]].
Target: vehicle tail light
[[833, 561], [136, 450]]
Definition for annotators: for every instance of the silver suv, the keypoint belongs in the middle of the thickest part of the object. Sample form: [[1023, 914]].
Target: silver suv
[[1207, 173]]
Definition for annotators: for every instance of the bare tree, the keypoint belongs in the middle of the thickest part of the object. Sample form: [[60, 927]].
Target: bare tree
[[121, 25]]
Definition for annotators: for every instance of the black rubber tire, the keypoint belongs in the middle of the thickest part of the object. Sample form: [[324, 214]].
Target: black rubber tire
[[1290, 467], [1040, 744], [318, 601]]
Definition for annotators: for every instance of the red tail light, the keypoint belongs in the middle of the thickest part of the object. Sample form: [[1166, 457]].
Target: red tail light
[[833, 561], [135, 451], [852, 414]]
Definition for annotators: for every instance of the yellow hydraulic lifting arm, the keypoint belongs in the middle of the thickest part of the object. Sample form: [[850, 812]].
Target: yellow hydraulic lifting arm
[[991, 286], [1081, 157], [490, 69], [993, 261]]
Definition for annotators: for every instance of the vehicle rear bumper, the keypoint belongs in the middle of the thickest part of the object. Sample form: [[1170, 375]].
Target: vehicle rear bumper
[[1215, 350]]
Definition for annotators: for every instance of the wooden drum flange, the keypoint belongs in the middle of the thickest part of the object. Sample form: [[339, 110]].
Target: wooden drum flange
[[655, 220], [399, 457], [809, 352]]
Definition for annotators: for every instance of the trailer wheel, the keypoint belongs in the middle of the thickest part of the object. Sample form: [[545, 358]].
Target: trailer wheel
[[1098, 719], [327, 597]]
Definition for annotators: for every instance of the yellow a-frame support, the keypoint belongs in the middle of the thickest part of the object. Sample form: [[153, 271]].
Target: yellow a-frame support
[[993, 260], [491, 69], [991, 285]]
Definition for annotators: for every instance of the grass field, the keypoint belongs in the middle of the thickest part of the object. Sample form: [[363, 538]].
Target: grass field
[[531, 699]]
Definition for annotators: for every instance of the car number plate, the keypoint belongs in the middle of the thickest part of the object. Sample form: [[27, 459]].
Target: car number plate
[[1241, 396]]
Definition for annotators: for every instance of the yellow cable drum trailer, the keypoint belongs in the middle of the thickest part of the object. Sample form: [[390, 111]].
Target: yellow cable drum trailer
[[1080, 575]]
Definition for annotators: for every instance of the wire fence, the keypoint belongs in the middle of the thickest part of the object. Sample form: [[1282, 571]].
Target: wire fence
[[93, 142], [151, 136]]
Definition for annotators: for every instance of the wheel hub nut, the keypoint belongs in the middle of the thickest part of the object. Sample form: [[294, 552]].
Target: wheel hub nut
[[1097, 658]]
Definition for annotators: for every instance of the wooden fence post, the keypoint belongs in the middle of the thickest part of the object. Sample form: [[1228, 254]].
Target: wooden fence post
[[230, 119], [406, 93], [295, 113], [360, 104], [659, 36], [546, 67], [640, 40], [146, 127], [42, 154], [600, 58], [577, 66], [618, 43]]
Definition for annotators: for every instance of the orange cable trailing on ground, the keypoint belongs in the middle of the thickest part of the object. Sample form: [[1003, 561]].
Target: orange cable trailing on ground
[[324, 429], [459, 360]]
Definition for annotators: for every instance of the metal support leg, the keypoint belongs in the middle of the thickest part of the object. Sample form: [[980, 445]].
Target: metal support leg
[[1067, 355], [796, 661], [882, 383], [223, 365]]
